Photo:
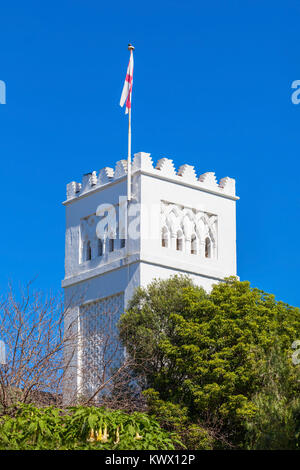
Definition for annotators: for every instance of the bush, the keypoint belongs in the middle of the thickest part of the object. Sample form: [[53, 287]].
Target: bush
[[175, 419], [82, 428]]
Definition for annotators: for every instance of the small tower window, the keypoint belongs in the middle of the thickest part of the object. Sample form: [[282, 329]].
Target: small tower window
[[88, 256], [207, 248], [179, 241], [122, 243], [111, 245], [100, 247], [194, 245]]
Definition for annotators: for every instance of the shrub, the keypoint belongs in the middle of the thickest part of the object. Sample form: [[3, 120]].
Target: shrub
[[82, 428]]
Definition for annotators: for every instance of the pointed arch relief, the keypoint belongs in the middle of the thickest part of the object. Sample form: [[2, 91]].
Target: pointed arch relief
[[174, 217], [174, 210], [189, 230]]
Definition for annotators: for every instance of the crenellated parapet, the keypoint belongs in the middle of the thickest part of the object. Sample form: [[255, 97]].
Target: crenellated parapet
[[187, 172], [164, 168], [105, 176]]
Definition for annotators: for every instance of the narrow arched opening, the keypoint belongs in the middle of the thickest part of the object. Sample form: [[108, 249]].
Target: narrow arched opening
[[207, 247], [88, 253], [100, 247], [111, 245], [179, 241], [165, 238], [194, 245]]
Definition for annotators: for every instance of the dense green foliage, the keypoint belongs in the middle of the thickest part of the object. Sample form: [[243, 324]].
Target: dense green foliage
[[215, 370], [82, 428], [175, 419], [276, 421], [210, 355]]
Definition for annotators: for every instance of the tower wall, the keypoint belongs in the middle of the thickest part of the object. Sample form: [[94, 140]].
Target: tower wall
[[186, 224]]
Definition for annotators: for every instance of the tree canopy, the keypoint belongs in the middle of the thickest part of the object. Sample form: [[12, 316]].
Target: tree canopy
[[208, 352]]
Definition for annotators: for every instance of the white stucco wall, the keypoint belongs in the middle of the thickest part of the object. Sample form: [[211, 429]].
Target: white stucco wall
[[154, 190]]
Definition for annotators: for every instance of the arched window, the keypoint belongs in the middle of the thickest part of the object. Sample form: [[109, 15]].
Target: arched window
[[194, 245], [88, 255], [179, 241], [100, 247], [207, 248], [165, 238], [111, 245]]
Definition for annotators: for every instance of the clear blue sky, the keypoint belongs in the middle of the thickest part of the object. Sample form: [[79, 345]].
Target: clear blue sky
[[212, 88]]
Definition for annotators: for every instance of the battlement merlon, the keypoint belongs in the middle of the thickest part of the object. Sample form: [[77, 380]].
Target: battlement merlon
[[164, 169]]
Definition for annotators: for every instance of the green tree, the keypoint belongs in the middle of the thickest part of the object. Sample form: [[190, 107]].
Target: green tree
[[205, 351], [275, 423]]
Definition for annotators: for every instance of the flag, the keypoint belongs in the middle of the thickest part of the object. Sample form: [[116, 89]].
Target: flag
[[127, 88]]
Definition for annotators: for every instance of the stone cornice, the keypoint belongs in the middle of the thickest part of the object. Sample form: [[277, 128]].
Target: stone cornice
[[202, 269]]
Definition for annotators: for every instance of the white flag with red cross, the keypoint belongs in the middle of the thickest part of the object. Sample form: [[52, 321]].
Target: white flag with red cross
[[127, 88]]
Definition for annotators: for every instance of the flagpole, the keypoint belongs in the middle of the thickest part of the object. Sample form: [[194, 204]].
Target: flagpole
[[131, 49], [129, 157]]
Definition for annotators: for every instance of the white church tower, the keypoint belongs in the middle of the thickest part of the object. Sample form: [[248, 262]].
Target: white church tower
[[177, 222]]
